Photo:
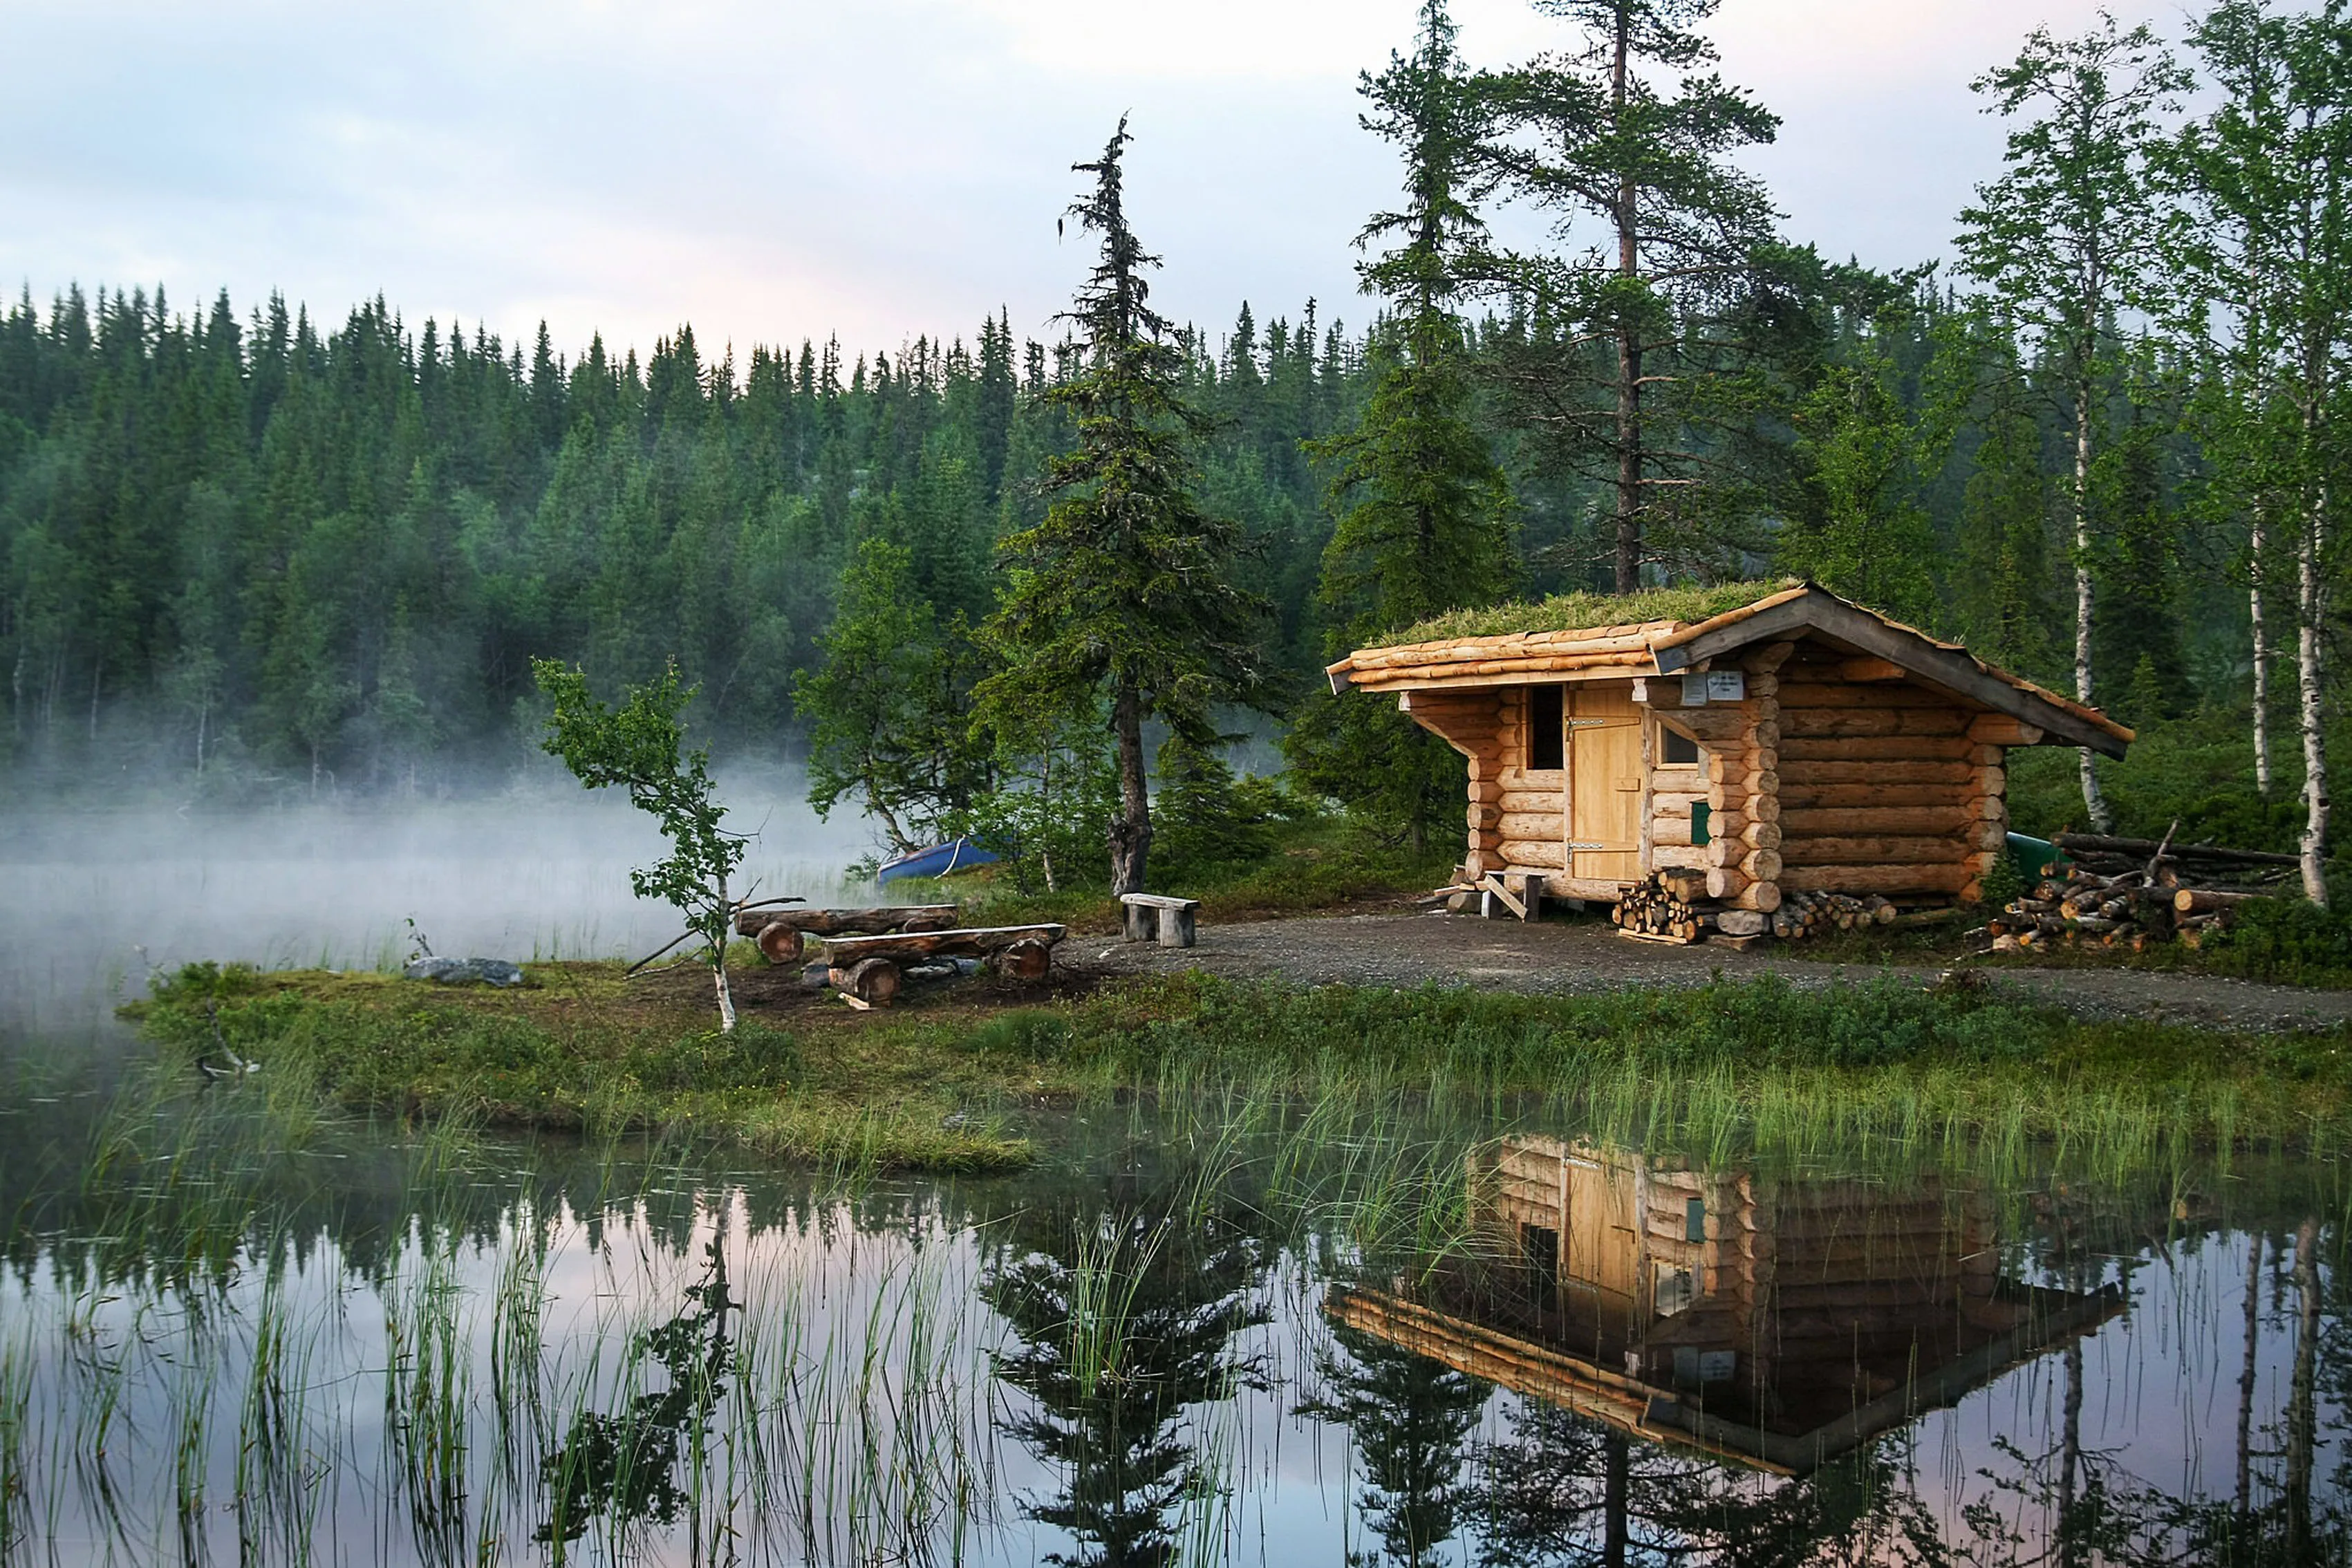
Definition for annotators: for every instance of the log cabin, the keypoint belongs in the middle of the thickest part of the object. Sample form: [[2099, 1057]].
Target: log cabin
[[1786, 740], [1773, 1322]]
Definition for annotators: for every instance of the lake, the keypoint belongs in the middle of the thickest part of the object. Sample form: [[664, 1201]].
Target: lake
[[1223, 1330]]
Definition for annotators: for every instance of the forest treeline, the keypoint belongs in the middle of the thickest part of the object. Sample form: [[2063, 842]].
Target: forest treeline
[[256, 551]]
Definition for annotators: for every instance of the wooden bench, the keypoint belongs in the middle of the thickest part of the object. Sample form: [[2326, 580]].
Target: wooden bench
[[1173, 922], [783, 933], [866, 967]]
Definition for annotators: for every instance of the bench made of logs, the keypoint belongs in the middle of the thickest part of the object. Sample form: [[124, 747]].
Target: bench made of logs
[[1173, 922], [782, 933], [866, 967]]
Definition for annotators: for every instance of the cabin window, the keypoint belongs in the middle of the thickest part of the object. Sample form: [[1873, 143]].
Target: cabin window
[[1702, 818], [1680, 750], [1672, 1290], [1546, 709], [1694, 1219], [1542, 1245]]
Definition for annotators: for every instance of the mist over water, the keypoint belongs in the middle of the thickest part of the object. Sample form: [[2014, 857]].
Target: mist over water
[[93, 902]]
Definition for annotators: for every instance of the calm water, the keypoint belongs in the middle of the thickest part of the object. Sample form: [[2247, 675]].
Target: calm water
[[1244, 1332]]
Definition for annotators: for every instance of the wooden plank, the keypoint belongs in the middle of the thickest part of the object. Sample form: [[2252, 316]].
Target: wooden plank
[[1937, 878], [1798, 771], [843, 923], [1828, 850], [845, 950], [1879, 748], [1949, 816], [1796, 797], [1814, 723]]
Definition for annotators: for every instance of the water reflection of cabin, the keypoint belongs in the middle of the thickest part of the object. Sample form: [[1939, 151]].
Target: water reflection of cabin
[[1778, 1324], [1794, 741]]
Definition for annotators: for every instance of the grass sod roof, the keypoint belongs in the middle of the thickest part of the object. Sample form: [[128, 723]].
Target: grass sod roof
[[1687, 603], [1667, 629]]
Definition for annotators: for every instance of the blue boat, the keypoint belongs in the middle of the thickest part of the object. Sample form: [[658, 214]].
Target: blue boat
[[938, 860]]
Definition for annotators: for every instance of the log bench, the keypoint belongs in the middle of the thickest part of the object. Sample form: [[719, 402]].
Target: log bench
[[1172, 923], [867, 967], [783, 933]]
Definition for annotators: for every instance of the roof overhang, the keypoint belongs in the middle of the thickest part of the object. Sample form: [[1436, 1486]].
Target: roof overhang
[[1665, 648]]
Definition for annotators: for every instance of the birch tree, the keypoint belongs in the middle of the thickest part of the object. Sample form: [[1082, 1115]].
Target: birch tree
[[2065, 238], [2266, 171]]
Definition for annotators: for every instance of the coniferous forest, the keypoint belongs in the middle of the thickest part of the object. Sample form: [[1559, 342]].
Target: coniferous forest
[[248, 553]]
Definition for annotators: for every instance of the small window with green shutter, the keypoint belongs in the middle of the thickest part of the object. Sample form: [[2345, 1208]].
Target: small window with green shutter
[[1701, 814]]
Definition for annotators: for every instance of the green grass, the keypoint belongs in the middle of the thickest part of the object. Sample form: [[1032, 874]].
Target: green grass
[[1566, 612], [1728, 1070]]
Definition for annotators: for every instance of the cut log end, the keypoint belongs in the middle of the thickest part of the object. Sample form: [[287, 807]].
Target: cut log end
[[780, 943], [1024, 961], [873, 981]]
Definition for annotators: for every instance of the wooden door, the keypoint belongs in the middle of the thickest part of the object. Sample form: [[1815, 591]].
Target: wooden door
[[1603, 1251], [1604, 773]]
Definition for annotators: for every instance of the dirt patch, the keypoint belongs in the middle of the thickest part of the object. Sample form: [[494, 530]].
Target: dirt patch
[[1571, 956]]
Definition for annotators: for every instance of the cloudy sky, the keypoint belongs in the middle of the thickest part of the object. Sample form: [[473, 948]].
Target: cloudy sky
[[774, 168]]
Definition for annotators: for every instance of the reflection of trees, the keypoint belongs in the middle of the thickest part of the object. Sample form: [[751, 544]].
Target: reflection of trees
[[1568, 1488], [1412, 1417], [624, 1466], [1124, 1317]]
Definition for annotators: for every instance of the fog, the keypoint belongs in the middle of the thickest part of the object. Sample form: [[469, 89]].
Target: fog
[[93, 902]]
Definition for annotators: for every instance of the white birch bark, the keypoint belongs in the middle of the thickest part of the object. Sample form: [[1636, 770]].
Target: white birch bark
[[2311, 598], [2094, 802]]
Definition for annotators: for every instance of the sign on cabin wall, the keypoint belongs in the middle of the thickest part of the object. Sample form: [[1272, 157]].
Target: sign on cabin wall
[[1715, 686]]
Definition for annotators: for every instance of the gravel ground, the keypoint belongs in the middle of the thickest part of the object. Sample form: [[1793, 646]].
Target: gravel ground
[[1562, 956]]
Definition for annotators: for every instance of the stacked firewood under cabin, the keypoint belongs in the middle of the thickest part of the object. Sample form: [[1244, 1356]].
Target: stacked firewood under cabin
[[1805, 914], [2129, 893], [1673, 906]]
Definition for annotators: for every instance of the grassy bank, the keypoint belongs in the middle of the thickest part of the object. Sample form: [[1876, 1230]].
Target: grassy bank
[[948, 1082]]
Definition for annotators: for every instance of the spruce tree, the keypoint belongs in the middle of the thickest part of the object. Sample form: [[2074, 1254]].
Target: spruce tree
[[1423, 511], [1122, 593]]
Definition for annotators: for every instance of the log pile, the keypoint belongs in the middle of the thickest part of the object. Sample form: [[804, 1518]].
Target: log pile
[[1673, 906], [2130, 893], [1805, 914], [1670, 906], [2179, 865]]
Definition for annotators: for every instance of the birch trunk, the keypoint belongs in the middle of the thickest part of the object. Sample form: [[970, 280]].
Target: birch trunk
[[2312, 607], [2246, 1377], [2262, 663], [726, 996], [2094, 803], [2302, 1407], [1130, 831]]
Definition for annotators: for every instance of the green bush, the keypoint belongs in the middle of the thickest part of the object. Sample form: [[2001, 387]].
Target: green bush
[[2286, 940]]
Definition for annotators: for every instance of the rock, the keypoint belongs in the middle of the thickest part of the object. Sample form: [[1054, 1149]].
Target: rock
[[465, 972]]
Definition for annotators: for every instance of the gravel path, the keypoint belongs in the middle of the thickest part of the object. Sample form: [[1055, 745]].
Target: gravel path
[[1583, 956]]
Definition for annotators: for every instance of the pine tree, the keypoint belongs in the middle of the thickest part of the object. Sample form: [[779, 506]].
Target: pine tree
[[1121, 594], [1628, 366]]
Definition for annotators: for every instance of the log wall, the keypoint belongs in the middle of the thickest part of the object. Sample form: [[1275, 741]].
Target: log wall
[[1885, 786], [1827, 777]]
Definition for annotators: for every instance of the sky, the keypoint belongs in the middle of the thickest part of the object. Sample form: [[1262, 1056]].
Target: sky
[[772, 170]]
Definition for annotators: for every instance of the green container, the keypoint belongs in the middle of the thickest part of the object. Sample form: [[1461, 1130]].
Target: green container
[[2030, 854]]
